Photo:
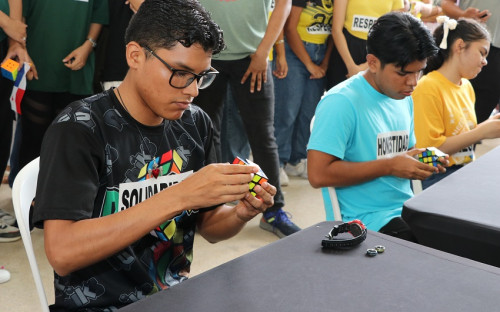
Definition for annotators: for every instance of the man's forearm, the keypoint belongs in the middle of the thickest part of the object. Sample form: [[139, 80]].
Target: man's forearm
[[276, 23]]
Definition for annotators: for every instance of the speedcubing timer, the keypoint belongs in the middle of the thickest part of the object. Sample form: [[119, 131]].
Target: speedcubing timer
[[430, 156], [258, 178]]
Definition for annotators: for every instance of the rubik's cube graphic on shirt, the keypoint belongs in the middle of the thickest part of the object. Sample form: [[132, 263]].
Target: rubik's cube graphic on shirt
[[430, 156], [169, 162], [258, 178]]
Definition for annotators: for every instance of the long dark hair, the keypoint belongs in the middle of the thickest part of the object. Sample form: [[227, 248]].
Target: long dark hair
[[467, 29]]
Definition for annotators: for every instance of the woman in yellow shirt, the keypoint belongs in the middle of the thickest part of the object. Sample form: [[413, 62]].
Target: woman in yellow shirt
[[444, 98]]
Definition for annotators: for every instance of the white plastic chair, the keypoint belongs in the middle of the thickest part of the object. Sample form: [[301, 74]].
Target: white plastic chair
[[23, 192], [331, 204]]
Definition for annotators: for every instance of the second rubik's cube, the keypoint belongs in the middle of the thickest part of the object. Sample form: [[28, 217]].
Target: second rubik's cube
[[258, 178], [9, 69], [430, 156]]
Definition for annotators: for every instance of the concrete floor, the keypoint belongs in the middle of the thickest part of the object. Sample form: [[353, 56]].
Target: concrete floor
[[302, 201]]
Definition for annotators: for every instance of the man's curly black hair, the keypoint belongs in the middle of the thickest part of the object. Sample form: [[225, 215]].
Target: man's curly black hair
[[163, 23]]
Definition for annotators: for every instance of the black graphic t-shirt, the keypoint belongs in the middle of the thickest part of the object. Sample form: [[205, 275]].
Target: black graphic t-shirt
[[98, 161]]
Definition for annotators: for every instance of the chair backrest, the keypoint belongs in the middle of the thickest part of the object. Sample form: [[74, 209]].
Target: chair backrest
[[23, 192], [331, 204], [416, 186]]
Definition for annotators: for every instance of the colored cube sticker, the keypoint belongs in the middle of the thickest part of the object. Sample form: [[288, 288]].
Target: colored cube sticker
[[258, 178], [430, 156], [9, 69]]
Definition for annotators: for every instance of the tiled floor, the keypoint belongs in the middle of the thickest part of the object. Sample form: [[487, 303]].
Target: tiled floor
[[303, 202]]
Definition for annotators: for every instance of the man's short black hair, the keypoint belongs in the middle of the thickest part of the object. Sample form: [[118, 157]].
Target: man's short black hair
[[400, 39], [164, 23]]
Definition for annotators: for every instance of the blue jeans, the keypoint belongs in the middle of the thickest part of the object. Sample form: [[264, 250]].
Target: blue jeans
[[296, 97]]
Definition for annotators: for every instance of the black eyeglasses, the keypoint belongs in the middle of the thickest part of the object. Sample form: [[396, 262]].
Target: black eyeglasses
[[181, 79]]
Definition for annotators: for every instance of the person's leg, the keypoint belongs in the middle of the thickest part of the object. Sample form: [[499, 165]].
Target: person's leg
[[487, 86], [257, 112], [38, 111], [6, 117], [14, 154], [397, 227], [234, 141], [288, 93], [313, 90], [337, 70], [211, 100]]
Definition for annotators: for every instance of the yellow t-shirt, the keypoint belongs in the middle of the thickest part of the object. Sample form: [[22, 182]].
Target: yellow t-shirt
[[315, 22], [442, 109], [361, 14]]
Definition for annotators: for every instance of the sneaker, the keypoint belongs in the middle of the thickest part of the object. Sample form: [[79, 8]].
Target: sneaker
[[7, 218], [4, 275], [8, 233], [298, 170], [279, 223], [283, 177]]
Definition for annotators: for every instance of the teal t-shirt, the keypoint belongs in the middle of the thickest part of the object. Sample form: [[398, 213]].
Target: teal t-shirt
[[243, 22], [55, 28], [356, 123]]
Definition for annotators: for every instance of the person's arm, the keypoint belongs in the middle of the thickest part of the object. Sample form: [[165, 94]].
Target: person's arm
[[297, 46], [134, 4], [329, 49], [339, 16], [425, 8], [13, 25], [281, 69], [17, 51], [77, 59], [488, 129], [451, 9], [327, 170], [226, 221], [72, 245], [257, 70]]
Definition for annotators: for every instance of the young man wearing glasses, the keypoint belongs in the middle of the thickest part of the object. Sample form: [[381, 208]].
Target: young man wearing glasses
[[117, 195]]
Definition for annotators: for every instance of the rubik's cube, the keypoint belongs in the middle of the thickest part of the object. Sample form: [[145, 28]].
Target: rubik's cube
[[9, 69], [258, 178], [430, 156]]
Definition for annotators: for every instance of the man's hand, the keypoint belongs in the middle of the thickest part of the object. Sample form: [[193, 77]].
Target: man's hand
[[257, 70], [406, 166], [281, 69], [490, 128], [250, 206], [216, 184], [78, 57], [134, 4], [316, 71], [16, 30], [20, 54], [351, 71]]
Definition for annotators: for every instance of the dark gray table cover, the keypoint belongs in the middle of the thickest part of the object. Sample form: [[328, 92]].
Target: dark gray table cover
[[296, 274], [461, 213]]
